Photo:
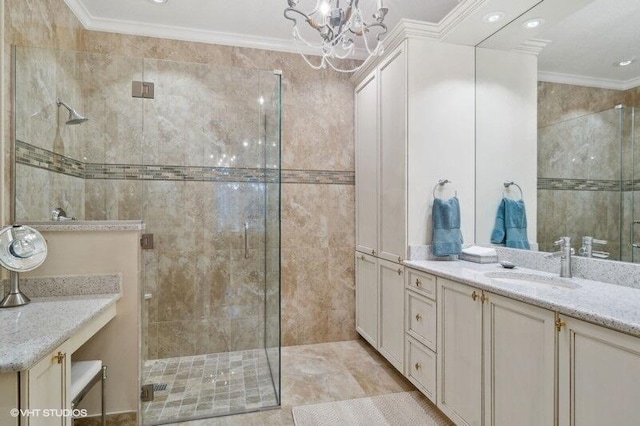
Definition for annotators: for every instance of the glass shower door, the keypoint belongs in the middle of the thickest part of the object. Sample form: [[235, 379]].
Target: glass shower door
[[211, 332], [634, 184]]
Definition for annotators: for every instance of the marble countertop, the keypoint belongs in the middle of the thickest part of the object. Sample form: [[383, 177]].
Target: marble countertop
[[88, 225], [609, 305], [30, 332]]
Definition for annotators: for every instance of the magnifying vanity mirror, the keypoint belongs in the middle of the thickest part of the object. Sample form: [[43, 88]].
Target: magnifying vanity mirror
[[22, 249], [587, 182]]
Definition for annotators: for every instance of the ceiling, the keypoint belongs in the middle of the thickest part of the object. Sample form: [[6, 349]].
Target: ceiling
[[580, 41], [589, 42], [247, 23]]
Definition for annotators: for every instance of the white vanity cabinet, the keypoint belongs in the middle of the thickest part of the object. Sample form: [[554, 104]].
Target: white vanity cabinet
[[599, 376], [516, 342], [367, 298], [421, 331], [44, 386], [519, 363], [415, 124], [380, 306], [366, 106], [459, 352], [391, 318], [380, 159]]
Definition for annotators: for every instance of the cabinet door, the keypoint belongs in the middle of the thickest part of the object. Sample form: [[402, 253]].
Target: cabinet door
[[391, 282], [367, 298], [393, 123], [520, 342], [599, 375], [459, 352], [44, 386], [367, 165], [9, 398]]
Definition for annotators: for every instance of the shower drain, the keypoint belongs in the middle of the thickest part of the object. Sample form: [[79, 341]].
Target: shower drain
[[157, 387]]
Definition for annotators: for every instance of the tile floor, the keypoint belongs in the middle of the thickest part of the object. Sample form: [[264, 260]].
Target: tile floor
[[324, 372], [207, 385]]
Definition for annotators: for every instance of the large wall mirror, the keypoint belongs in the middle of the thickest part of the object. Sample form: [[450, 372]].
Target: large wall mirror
[[587, 181]]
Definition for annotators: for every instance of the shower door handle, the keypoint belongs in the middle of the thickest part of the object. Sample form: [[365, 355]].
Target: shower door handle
[[246, 240], [633, 234]]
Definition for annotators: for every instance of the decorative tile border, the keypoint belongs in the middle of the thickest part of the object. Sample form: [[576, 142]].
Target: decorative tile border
[[30, 155], [319, 177], [178, 173], [560, 184]]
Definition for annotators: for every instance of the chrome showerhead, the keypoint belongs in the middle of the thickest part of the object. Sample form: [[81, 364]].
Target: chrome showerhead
[[74, 117]]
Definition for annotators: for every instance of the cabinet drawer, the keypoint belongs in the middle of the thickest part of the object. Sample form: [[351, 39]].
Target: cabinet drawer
[[421, 368], [422, 282], [421, 319]]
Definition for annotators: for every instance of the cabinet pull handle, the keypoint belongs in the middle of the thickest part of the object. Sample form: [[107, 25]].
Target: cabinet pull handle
[[418, 366], [373, 252], [362, 257], [418, 317], [399, 259], [474, 295], [484, 298], [399, 271], [418, 282], [59, 357], [560, 324]]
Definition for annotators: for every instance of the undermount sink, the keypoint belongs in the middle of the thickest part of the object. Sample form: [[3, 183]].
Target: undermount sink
[[530, 278]]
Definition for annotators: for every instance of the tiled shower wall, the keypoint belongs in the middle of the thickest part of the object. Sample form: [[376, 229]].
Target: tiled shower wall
[[582, 153], [318, 206]]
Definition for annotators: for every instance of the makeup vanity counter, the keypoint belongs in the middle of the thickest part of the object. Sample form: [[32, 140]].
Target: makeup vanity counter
[[612, 306], [37, 341], [30, 332]]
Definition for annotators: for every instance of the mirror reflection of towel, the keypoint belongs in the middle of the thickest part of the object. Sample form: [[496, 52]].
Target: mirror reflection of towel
[[447, 238], [510, 228]]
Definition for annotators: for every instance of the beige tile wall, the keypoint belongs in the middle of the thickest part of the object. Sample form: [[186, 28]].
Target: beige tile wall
[[318, 220]]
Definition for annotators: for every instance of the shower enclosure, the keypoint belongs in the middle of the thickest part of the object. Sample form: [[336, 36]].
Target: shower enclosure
[[588, 182], [199, 162]]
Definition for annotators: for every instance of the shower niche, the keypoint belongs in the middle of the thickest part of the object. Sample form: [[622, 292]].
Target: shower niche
[[199, 163]]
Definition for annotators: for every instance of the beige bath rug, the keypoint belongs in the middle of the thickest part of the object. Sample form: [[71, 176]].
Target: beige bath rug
[[404, 408]]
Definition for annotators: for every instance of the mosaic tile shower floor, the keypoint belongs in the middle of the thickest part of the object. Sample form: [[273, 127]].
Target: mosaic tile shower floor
[[208, 385]]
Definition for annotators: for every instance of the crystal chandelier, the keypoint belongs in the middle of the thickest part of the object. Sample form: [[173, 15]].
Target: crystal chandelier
[[339, 28]]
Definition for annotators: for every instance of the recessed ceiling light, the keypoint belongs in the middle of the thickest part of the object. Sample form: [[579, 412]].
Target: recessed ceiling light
[[533, 23], [159, 1], [493, 17], [625, 62]]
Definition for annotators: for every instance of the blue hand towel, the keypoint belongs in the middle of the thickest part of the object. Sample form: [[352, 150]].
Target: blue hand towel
[[510, 228], [447, 238]]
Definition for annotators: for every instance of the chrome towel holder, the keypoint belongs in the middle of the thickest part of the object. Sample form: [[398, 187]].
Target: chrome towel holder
[[441, 183], [512, 183]]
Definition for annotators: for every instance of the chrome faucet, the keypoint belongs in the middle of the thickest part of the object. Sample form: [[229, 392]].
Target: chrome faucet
[[565, 256], [587, 248], [59, 215]]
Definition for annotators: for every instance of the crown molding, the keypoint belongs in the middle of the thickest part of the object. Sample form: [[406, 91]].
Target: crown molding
[[80, 10], [533, 46], [581, 80], [458, 14], [93, 23], [409, 28]]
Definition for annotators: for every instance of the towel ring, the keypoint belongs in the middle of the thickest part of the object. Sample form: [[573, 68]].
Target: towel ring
[[510, 183], [441, 183]]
